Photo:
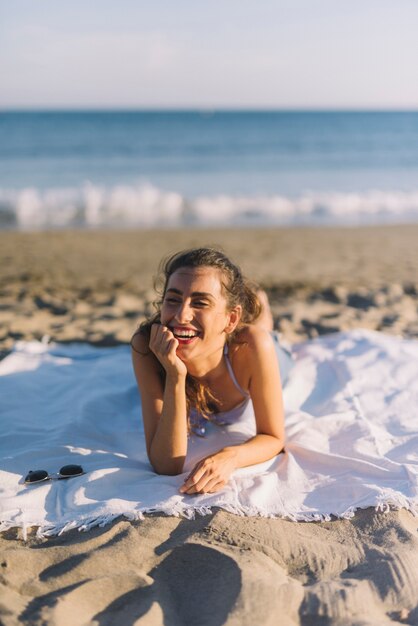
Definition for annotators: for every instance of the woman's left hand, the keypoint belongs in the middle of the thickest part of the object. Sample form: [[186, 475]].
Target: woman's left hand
[[211, 473]]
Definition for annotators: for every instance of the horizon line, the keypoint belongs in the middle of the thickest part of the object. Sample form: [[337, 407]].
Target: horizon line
[[205, 110]]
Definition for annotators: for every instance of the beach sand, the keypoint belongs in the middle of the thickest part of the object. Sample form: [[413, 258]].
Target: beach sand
[[221, 568]]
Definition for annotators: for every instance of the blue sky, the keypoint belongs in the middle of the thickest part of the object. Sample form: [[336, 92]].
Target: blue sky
[[222, 53]]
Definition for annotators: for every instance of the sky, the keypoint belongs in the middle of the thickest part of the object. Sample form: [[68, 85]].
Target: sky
[[304, 54]]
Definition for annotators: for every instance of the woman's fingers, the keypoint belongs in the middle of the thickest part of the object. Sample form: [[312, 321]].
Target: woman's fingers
[[164, 345], [162, 340], [193, 478], [203, 479], [206, 485], [215, 485], [159, 336]]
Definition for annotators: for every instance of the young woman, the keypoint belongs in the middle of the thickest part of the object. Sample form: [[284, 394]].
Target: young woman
[[207, 358]]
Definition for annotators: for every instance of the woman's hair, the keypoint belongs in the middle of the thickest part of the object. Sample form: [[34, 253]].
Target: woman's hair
[[237, 291]]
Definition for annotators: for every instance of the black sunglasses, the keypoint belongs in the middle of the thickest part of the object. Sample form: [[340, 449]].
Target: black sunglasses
[[68, 471]]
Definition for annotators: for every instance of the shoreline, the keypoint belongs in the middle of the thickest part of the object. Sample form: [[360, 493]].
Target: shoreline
[[287, 249]]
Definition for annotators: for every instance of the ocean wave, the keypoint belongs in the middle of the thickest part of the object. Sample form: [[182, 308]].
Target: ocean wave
[[145, 206]]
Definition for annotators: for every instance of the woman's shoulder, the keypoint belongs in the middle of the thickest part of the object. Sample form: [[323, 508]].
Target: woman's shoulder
[[147, 368], [140, 343], [252, 351], [251, 339]]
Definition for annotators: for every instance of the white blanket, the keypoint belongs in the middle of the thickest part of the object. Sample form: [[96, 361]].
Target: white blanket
[[352, 437]]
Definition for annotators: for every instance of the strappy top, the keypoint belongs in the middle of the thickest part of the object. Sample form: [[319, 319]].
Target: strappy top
[[198, 423], [231, 373]]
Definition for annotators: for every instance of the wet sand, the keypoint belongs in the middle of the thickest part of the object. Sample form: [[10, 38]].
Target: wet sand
[[218, 569]]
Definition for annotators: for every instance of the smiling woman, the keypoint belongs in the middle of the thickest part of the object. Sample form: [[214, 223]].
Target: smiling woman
[[208, 355]]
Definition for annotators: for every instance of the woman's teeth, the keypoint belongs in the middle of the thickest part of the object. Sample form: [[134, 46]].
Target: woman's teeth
[[185, 334]]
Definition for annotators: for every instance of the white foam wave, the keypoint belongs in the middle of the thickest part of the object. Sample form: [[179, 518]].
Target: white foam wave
[[146, 206]]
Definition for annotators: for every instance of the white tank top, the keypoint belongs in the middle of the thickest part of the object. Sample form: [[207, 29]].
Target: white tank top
[[244, 410]]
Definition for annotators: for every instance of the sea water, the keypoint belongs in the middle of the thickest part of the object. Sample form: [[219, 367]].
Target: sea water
[[94, 169]]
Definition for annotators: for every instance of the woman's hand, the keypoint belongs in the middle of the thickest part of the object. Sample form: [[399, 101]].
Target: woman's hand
[[211, 473], [164, 345]]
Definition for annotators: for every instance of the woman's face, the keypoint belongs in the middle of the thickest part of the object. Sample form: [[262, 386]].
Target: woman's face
[[195, 310]]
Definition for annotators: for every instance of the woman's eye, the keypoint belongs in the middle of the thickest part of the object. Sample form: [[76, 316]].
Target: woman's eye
[[200, 303], [171, 300]]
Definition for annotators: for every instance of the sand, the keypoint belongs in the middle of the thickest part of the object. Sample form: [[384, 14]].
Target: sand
[[221, 568]]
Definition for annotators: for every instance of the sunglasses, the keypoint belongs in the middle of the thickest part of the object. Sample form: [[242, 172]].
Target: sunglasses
[[39, 476]]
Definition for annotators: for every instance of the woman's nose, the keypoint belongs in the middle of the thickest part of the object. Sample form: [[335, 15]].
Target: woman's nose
[[184, 313]]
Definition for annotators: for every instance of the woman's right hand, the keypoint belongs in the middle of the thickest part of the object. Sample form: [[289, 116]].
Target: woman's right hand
[[164, 345]]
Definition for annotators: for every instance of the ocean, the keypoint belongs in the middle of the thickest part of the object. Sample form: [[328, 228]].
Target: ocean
[[121, 169]]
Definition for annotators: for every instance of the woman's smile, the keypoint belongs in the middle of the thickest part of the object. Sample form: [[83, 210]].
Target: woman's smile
[[184, 336]]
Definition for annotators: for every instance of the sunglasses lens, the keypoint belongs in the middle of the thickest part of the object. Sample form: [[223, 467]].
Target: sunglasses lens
[[70, 470], [36, 476]]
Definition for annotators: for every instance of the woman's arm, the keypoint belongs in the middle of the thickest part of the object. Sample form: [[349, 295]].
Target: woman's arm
[[266, 394], [256, 364], [163, 406]]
